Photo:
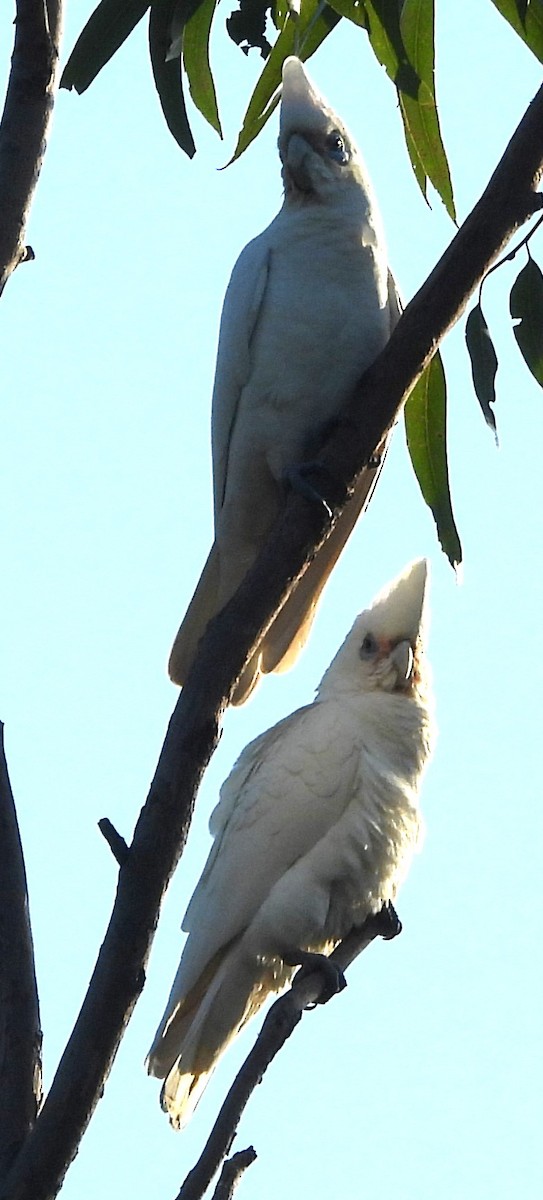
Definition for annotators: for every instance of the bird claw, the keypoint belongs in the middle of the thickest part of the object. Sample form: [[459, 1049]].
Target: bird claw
[[389, 924], [299, 479], [333, 979]]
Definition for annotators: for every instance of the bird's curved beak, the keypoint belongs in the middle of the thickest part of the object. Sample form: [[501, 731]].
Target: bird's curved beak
[[295, 161], [302, 106], [400, 611], [403, 659]]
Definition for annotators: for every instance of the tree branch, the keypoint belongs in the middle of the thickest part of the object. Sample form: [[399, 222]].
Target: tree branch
[[231, 1173], [281, 1020], [229, 640], [25, 122], [20, 1034], [116, 843]]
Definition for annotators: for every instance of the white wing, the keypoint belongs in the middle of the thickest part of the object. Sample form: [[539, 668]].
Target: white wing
[[241, 308], [286, 791]]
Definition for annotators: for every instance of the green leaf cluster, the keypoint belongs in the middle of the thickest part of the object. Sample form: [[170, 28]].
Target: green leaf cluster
[[400, 33], [526, 309], [179, 32]]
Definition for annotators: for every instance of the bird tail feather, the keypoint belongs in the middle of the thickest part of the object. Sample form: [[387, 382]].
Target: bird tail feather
[[290, 630], [200, 1030], [201, 609], [288, 634]]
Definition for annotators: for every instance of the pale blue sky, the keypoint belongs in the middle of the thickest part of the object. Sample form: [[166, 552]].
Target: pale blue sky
[[423, 1078]]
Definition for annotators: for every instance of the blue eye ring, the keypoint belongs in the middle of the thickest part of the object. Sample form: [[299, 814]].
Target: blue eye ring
[[368, 647], [335, 145]]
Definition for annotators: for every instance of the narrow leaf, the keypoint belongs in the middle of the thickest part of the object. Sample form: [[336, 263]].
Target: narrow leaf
[[168, 75], [527, 20], [420, 115], [382, 22], [417, 32], [353, 10], [301, 36], [425, 417], [279, 13], [423, 140], [181, 13], [383, 42], [196, 61], [106, 30], [484, 363], [526, 303], [413, 152]]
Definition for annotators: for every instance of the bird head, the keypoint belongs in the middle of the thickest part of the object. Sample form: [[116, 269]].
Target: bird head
[[385, 649], [319, 157]]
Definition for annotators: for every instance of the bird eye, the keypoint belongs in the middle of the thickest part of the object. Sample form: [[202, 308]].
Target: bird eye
[[336, 147], [368, 647]]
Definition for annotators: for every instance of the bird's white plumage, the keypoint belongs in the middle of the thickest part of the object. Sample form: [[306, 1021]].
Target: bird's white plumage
[[310, 304], [314, 830]]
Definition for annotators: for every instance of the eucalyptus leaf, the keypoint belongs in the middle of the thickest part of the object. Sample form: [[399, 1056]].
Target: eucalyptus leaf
[[526, 304], [417, 33], [279, 13], [196, 61], [388, 46], [484, 363], [106, 30], [352, 10], [167, 74], [301, 36], [421, 126], [527, 20], [425, 417], [420, 115], [181, 13], [413, 152]]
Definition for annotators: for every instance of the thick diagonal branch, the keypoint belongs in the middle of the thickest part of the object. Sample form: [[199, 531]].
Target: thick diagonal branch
[[229, 640], [20, 1036], [25, 122]]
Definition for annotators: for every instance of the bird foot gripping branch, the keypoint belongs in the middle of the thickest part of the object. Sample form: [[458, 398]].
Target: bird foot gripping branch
[[307, 479], [332, 976]]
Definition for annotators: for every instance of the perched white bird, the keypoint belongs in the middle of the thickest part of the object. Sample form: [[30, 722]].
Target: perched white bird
[[314, 831], [310, 304]]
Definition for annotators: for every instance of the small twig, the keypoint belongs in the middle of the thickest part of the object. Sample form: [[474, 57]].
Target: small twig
[[513, 253], [280, 1022], [231, 1173], [116, 843]]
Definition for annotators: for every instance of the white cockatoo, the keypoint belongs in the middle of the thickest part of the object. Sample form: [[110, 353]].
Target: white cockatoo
[[314, 831], [310, 304]]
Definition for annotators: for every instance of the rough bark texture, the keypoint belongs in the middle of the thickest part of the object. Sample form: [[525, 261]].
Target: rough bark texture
[[231, 1173], [192, 735], [25, 122], [20, 1035]]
